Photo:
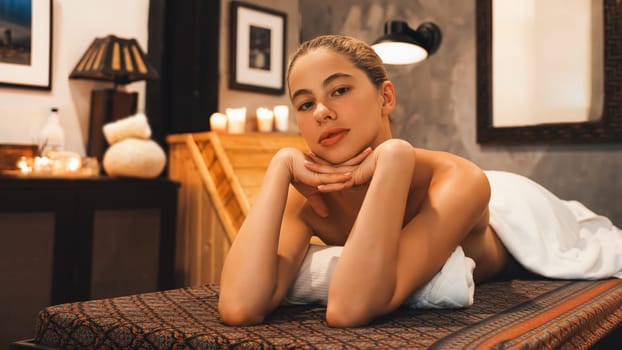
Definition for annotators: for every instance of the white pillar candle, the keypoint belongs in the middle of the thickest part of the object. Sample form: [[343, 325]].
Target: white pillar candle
[[281, 117], [265, 118], [218, 122], [237, 120]]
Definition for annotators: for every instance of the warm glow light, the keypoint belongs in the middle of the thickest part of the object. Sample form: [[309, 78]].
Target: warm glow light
[[61, 164], [73, 164], [24, 164], [281, 117], [237, 120], [218, 122], [43, 165], [264, 119], [400, 53]]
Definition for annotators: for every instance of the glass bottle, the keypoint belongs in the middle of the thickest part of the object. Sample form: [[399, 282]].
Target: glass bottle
[[52, 135]]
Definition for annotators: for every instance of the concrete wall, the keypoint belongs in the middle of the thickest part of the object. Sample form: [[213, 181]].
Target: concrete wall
[[437, 100]]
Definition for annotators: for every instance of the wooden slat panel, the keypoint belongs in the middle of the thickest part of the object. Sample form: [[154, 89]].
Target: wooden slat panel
[[261, 141], [250, 177], [201, 242], [215, 190], [246, 159]]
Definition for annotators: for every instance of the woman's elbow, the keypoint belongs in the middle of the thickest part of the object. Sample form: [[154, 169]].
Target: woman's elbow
[[238, 314], [347, 317]]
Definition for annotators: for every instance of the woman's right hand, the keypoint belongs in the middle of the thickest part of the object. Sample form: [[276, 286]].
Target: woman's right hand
[[307, 181]]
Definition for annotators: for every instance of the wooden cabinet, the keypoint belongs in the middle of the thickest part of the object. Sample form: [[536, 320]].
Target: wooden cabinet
[[70, 239], [220, 175]]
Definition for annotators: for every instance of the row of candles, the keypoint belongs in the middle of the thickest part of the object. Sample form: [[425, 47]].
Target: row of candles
[[59, 164], [234, 121]]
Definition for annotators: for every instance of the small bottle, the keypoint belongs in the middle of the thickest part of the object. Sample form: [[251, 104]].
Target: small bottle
[[52, 136]]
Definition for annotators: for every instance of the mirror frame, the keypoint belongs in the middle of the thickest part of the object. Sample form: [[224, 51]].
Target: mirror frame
[[606, 130]]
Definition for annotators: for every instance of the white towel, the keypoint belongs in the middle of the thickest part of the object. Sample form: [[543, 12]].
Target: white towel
[[134, 126], [452, 287], [549, 236]]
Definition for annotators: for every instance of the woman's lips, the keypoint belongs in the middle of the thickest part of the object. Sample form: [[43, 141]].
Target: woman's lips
[[332, 136]]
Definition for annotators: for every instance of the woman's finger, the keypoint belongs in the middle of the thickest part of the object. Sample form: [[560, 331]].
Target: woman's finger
[[333, 187], [327, 169]]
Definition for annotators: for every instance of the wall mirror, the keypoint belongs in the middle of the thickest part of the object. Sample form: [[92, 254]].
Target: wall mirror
[[546, 78]]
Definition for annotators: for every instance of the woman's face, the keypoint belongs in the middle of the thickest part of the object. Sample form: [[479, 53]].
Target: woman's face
[[338, 110]]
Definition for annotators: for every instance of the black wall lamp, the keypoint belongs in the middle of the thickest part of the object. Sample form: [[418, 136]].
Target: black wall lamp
[[401, 44]]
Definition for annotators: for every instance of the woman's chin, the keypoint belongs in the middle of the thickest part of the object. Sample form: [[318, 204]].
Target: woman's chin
[[336, 158]]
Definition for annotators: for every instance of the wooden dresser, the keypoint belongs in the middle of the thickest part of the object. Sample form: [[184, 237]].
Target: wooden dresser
[[220, 174]]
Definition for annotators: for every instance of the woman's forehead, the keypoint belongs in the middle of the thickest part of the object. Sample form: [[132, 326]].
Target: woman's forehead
[[318, 64]]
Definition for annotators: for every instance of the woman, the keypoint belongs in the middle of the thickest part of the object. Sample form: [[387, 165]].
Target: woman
[[398, 211]]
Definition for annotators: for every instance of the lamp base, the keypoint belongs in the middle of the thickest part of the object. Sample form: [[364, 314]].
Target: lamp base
[[106, 106]]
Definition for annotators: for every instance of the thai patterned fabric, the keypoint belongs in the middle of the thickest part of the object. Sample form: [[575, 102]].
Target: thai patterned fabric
[[512, 314]]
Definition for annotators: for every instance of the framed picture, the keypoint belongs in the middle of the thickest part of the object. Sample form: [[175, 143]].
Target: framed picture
[[26, 43], [257, 49]]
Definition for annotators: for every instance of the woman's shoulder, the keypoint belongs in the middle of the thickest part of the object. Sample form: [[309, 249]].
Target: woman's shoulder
[[442, 160], [441, 169]]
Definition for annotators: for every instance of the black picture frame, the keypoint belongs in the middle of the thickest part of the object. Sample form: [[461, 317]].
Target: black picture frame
[[257, 39], [26, 46], [606, 130]]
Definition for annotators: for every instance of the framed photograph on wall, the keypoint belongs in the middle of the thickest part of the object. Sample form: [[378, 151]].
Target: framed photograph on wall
[[257, 49], [26, 43]]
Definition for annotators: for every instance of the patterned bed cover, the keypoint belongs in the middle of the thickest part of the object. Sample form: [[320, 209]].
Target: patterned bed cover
[[524, 314]]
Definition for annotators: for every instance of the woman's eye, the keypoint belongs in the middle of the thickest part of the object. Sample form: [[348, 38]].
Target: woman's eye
[[340, 91], [305, 106]]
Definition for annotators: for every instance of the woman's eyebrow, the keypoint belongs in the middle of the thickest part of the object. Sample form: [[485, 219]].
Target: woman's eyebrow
[[334, 76], [325, 83]]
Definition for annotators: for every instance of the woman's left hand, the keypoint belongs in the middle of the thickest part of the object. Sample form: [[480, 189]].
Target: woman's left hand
[[360, 166]]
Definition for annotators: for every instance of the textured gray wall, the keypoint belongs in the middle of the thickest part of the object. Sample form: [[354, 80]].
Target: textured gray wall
[[437, 100]]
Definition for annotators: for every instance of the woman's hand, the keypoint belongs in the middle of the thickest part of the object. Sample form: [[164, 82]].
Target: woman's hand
[[308, 182], [361, 167], [352, 166]]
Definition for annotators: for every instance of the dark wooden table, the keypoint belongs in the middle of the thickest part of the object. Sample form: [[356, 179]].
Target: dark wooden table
[[73, 202]]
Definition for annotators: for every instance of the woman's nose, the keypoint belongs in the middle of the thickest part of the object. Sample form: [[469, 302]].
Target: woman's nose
[[323, 113]]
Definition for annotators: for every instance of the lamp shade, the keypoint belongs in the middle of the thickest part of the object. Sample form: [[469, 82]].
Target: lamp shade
[[121, 61], [400, 44]]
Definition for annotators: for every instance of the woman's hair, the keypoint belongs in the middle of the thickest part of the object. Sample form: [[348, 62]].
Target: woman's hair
[[357, 51]]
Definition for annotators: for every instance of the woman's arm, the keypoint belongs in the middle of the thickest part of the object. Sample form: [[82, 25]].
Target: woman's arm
[[383, 261], [270, 246]]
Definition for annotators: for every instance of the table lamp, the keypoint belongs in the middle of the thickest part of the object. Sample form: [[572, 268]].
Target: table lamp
[[120, 61]]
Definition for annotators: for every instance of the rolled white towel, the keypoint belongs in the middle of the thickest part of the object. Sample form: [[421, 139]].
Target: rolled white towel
[[135, 126], [452, 287]]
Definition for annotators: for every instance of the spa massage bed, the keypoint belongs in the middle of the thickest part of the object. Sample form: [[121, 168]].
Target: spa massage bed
[[517, 314], [220, 175]]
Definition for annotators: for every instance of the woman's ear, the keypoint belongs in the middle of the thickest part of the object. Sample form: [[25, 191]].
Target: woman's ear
[[387, 92]]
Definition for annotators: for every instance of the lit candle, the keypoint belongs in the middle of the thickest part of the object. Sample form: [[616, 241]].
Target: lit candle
[[237, 119], [43, 165], [24, 164], [218, 122], [73, 165], [281, 117], [264, 119]]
